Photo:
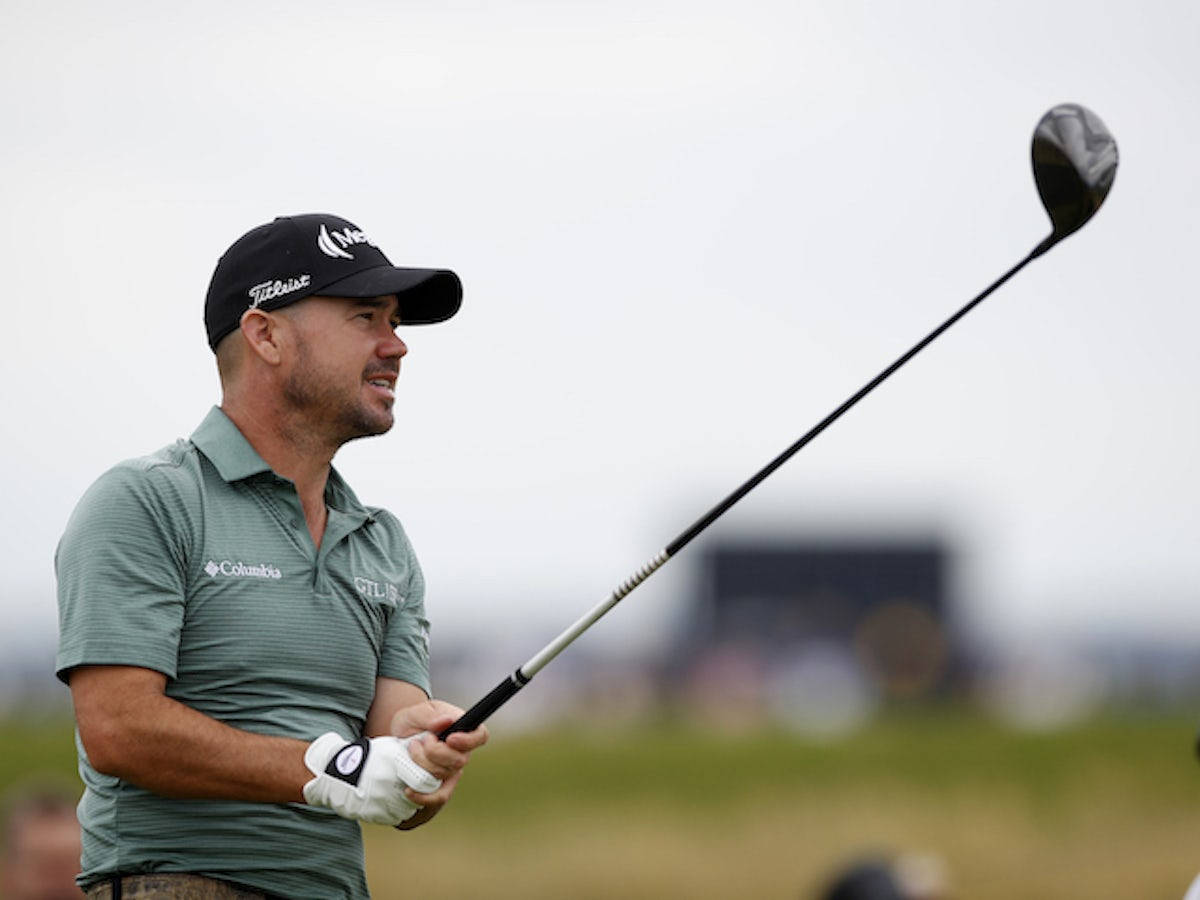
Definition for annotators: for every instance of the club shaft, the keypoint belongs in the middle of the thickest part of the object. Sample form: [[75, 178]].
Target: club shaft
[[504, 691], [721, 508]]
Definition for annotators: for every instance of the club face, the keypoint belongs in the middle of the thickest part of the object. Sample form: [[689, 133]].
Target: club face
[[1074, 164]]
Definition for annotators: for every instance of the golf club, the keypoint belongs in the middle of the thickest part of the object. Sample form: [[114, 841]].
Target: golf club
[[1074, 164]]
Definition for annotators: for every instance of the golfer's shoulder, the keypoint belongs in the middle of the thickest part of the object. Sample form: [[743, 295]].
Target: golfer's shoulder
[[384, 528], [138, 504], [385, 523], [167, 479]]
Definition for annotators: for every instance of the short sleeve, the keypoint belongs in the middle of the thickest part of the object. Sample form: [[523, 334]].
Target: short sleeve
[[405, 653], [121, 567]]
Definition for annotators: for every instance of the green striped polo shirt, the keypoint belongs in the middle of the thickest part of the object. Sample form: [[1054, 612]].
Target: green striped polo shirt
[[196, 562]]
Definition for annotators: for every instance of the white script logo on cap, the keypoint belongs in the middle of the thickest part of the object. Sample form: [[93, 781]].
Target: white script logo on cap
[[334, 244]]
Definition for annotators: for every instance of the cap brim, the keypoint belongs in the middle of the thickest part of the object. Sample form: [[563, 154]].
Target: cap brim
[[426, 296]]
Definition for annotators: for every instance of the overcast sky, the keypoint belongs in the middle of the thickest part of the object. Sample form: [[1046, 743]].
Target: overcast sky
[[686, 232]]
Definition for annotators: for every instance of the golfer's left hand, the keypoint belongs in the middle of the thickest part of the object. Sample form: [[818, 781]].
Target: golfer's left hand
[[441, 759]]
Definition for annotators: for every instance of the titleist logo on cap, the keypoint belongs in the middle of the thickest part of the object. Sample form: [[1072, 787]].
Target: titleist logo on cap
[[269, 290]]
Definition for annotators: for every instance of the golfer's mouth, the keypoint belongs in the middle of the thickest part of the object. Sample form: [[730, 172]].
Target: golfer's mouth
[[384, 384]]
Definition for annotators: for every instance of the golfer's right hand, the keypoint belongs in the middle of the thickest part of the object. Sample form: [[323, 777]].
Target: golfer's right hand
[[365, 779]]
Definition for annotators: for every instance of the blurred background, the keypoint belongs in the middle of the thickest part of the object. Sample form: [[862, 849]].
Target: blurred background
[[961, 625]]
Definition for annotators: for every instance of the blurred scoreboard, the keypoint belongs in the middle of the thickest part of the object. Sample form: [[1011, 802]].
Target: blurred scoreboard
[[883, 605]]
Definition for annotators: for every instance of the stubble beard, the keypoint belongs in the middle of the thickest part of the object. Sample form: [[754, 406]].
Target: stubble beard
[[339, 415]]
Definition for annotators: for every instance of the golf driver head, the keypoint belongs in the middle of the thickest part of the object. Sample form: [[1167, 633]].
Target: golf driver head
[[1074, 164]]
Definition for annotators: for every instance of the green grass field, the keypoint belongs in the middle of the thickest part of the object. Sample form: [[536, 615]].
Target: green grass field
[[1106, 809]]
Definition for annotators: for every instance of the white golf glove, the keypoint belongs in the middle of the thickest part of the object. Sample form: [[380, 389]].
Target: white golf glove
[[365, 779]]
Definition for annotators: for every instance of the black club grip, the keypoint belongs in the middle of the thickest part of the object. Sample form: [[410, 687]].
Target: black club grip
[[477, 714]]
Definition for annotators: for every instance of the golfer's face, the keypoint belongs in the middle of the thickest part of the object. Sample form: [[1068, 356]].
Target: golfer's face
[[346, 362]]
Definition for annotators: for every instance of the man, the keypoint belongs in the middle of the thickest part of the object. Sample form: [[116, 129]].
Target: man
[[245, 642], [39, 850]]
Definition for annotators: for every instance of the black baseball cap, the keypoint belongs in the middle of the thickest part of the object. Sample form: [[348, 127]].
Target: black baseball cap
[[295, 257]]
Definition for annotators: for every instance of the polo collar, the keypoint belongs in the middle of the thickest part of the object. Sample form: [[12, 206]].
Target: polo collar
[[227, 448], [338, 495], [235, 459]]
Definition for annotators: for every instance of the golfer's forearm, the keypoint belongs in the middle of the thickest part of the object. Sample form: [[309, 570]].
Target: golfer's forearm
[[173, 750]]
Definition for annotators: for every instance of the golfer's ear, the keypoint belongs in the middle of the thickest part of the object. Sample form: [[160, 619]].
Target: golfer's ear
[[263, 334]]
